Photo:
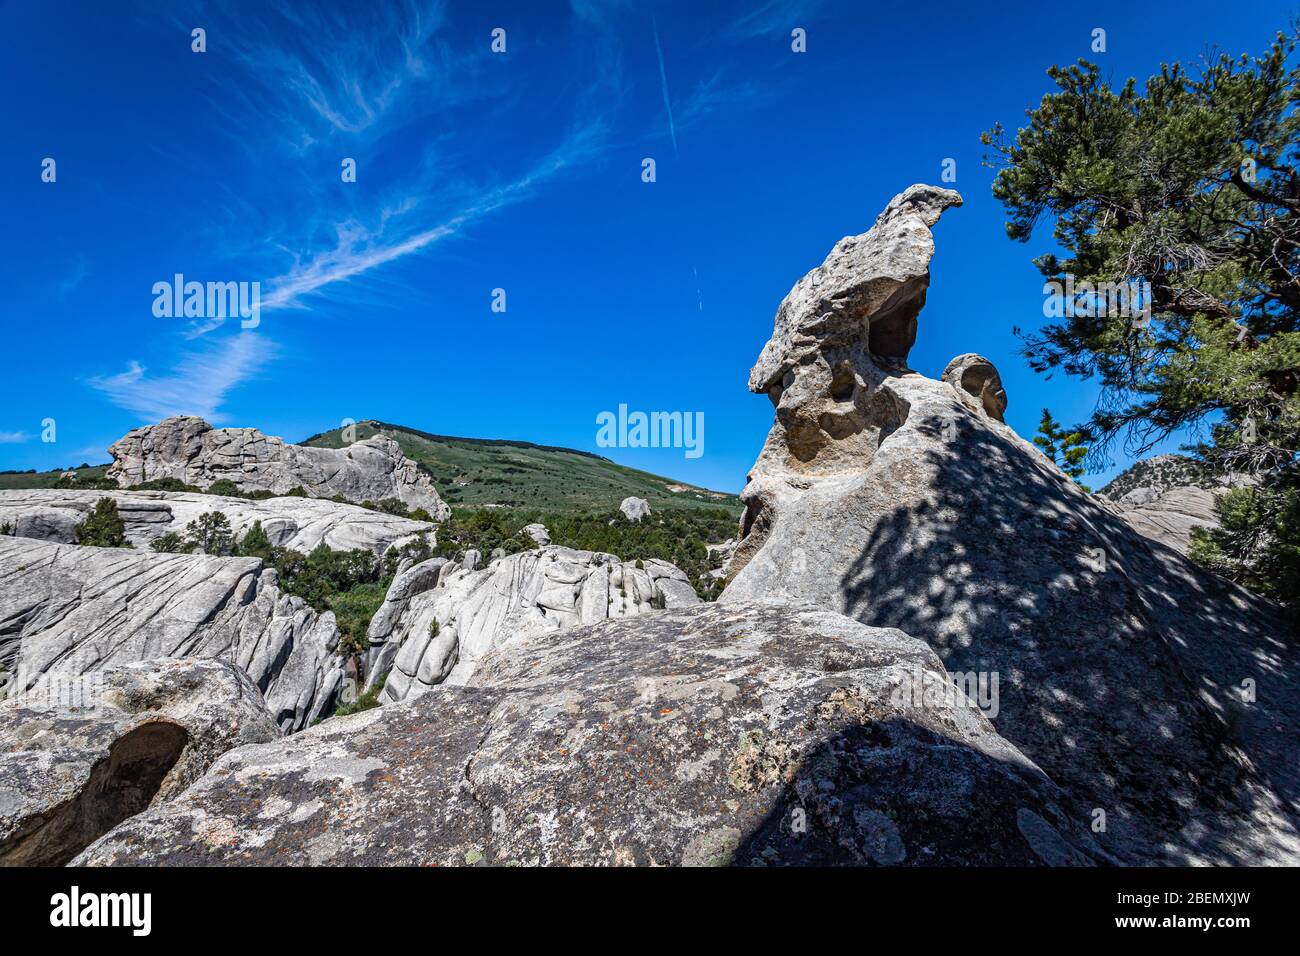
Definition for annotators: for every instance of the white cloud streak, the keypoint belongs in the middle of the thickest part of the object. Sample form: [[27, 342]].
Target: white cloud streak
[[663, 82], [358, 250], [197, 385]]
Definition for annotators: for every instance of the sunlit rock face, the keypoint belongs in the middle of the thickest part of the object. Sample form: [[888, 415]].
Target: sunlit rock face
[[905, 501], [190, 450]]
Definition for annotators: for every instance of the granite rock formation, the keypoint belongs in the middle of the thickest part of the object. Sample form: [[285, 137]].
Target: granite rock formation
[[289, 522], [439, 618], [67, 610], [192, 451], [1125, 672]]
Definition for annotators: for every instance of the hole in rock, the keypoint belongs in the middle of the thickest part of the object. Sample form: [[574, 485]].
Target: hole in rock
[[119, 787], [892, 330]]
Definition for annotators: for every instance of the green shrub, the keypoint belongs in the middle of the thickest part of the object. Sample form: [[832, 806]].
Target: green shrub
[[225, 487], [166, 484], [255, 543], [367, 701], [170, 543], [103, 527]]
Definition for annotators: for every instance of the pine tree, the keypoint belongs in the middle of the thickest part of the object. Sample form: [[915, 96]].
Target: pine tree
[[1066, 450], [103, 527], [1187, 189], [210, 533]]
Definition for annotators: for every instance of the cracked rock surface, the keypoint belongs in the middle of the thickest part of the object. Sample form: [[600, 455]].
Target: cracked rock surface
[[750, 734], [67, 610]]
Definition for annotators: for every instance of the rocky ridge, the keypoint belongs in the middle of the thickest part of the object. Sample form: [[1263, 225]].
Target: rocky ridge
[[190, 450], [750, 734], [289, 522]]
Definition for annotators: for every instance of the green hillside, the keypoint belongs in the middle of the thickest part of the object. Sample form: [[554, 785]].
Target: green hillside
[[47, 479], [473, 472]]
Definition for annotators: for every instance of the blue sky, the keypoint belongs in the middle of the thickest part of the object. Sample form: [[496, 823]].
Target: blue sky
[[518, 171]]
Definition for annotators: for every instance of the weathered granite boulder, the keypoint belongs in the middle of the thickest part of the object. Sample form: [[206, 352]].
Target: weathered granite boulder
[[438, 618], [1164, 699], [80, 755], [1164, 497], [634, 509], [978, 382], [289, 522], [191, 450], [68, 610], [537, 531], [751, 735]]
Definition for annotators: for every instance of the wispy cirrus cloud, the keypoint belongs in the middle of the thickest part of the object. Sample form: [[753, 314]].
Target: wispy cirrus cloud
[[359, 249], [14, 438], [314, 71], [197, 385]]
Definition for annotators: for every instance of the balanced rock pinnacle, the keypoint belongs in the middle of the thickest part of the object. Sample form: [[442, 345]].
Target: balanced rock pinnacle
[[904, 501]]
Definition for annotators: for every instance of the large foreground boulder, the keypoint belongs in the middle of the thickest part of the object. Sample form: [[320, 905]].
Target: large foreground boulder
[[289, 522], [80, 755], [748, 734], [1165, 700], [68, 610], [439, 618], [192, 451]]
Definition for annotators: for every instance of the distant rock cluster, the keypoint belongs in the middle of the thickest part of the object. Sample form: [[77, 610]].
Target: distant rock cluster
[[440, 618], [190, 450], [1166, 496]]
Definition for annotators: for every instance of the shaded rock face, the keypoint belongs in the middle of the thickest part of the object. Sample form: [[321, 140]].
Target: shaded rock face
[[1124, 671], [438, 619], [192, 451], [289, 522], [68, 610], [1164, 497], [80, 757], [634, 509], [751, 735]]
